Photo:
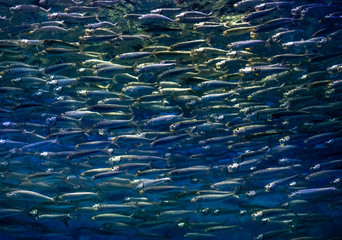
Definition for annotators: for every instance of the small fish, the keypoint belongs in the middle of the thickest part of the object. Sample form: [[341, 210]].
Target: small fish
[[77, 196], [154, 19], [166, 11], [153, 67], [186, 45], [29, 8], [25, 195], [212, 197], [84, 153], [110, 217], [133, 55], [168, 140], [273, 185], [313, 193]]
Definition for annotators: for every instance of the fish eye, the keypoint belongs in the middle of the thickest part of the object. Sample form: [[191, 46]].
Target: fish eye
[[220, 118], [190, 104], [268, 188]]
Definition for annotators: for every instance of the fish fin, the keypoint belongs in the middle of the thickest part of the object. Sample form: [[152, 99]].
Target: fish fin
[[81, 45], [134, 67], [10, 20], [197, 68], [154, 55], [106, 87], [77, 3], [129, 175], [119, 37], [207, 41], [86, 130], [65, 221], [137, 174], [236, 196], [115, 144], [132, 119]]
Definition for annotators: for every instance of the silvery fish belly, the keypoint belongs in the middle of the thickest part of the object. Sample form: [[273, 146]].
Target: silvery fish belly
[[174, 119]]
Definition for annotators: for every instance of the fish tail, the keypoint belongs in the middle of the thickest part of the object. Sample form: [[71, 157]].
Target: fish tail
[[81, 45], [207, 41], [10, 20]]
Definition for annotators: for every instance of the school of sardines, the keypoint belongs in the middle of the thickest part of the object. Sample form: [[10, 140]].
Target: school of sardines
[[166, 120]]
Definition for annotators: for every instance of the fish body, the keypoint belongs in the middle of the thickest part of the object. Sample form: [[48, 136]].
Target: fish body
[[25, 195], [28, 8]]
